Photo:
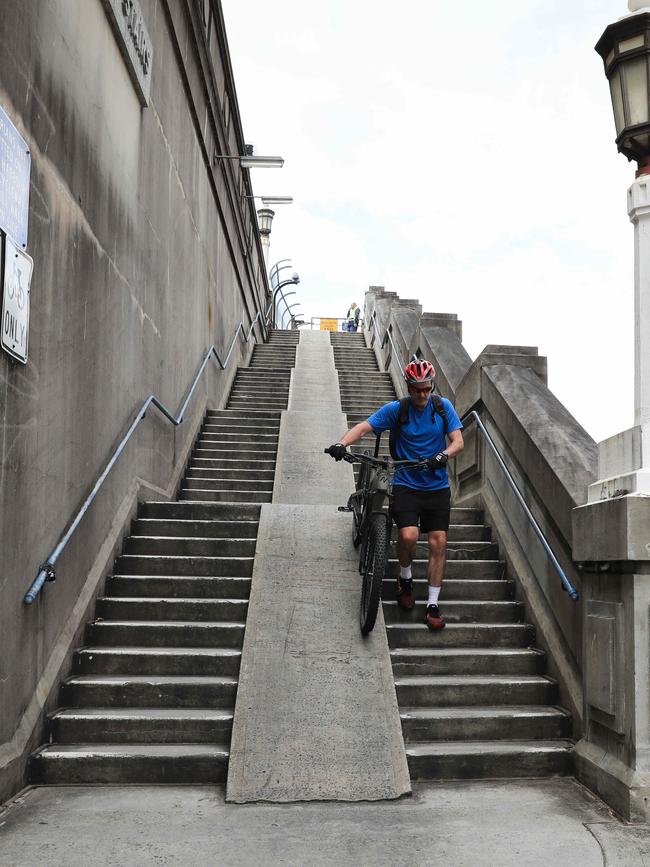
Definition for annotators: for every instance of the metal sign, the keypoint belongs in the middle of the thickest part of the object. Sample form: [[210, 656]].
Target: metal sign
[[15, 168], [329, 325], [17, 276], [134, 41]]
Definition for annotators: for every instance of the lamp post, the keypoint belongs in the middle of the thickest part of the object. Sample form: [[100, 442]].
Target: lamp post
[[610, 532], [625, 50]]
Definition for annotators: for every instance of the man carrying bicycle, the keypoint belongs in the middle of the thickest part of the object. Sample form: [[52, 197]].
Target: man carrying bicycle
[[419, 428]]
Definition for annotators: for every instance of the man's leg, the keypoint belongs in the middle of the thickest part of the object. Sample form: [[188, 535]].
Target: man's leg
[[435, 574], [407, 538]]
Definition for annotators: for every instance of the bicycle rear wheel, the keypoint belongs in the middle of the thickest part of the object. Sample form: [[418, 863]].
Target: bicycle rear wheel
[[375, 561]]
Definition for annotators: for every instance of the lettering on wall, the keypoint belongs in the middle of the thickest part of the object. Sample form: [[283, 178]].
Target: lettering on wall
[[132, 36]]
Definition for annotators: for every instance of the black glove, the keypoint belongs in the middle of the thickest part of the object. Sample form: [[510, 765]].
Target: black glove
[[337, 451], [440, 460]]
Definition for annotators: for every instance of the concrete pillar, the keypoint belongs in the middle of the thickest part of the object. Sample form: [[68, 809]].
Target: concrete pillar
[[611, 538]]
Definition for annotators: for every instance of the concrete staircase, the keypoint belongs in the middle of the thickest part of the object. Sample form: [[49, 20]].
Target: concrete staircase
[[474, 700], [151, 694]]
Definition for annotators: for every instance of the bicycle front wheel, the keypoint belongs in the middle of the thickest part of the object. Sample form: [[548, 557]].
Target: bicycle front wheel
[[375, 562]]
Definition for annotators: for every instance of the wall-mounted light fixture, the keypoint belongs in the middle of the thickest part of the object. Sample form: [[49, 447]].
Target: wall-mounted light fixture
[[273, 200], [250, 161]]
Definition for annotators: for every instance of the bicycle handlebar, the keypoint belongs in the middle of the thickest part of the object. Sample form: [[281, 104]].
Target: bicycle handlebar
[[351, 458]]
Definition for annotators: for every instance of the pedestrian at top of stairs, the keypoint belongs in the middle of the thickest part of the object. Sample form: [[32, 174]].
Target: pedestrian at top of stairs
[[351, 322], [423, 424]]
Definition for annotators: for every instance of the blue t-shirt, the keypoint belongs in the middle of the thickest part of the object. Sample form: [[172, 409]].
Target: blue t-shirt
[[420, 437]]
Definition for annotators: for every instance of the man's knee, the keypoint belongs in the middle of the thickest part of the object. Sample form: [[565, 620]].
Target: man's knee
[[408, 535], [437, 543]]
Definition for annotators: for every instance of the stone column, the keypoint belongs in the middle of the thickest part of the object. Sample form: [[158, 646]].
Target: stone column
[[611, 537]]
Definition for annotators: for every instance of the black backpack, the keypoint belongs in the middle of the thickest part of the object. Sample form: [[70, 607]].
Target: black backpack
[[438, 407]]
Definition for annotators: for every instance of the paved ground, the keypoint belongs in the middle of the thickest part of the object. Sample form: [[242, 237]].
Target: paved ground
[[487, 824]]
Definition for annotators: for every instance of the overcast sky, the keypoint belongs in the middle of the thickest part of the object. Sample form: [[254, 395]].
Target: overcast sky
[[461, 153]]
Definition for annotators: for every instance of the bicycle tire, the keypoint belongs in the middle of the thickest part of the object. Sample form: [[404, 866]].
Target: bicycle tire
[[376, 559]]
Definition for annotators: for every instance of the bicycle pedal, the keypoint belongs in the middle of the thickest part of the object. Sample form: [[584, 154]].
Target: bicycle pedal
[[344, 509]]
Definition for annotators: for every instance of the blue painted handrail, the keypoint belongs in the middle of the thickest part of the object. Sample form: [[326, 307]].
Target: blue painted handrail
[[47, 570], [566, 584]]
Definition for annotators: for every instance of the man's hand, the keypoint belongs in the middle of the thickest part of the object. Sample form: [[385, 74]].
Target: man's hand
[[337, 451], [439, 460]]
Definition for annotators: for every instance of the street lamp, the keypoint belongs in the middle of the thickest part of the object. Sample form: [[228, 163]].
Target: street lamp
[[265, 220], [273, 200], [625, 50], [249, 161]]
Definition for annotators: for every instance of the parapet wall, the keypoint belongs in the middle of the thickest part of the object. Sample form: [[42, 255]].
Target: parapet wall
[[146, 252], [551, 457]]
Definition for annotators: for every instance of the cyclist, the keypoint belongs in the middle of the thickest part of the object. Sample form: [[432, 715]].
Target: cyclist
[[422, 496]]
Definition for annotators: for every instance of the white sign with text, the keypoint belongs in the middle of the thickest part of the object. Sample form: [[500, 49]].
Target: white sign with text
[[17, 276]]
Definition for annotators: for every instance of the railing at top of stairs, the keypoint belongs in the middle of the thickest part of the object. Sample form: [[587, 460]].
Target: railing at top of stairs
[[473, 416], [47, 571]]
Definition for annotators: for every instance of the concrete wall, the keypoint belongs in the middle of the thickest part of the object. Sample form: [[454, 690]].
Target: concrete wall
[[549, 454], [145, 253]]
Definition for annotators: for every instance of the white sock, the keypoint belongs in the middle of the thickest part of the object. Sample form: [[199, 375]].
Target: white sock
[[405, 573], [434, 593]]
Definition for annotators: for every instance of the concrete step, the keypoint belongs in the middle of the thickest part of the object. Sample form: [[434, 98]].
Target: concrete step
[[219, 529], [475, 760], [240, 437], [179, 586], [252, 416], [189, 546], [467, 690], [173, 510], [249, 456], [146, 661], [139, 633], [242, 402], [410, 662], [484, 723], [201, 471], [142, 725], [141, 564], [457, 611], [456, 567], [220, 484], [232, 464], [204, 495], [460, 589], [148, 691], [229, 426], [461, 635], [154, 608], [130, 763]]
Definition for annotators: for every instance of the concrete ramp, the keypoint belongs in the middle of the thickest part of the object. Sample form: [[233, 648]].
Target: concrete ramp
[[316, 715]]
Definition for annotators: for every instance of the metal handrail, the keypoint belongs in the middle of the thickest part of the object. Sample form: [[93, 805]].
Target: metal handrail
[[47, 571], [566, 584], [387, 336]]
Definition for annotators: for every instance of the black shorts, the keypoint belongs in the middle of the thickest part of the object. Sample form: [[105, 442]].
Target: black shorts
[[427, 509]]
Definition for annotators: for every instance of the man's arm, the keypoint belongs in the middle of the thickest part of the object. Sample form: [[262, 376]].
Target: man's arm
[[456, 443], [355, 433]]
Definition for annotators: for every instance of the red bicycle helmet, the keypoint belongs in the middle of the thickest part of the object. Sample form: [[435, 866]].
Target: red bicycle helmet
[[419, 372]]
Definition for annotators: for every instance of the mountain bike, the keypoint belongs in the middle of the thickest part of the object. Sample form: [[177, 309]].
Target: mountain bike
[[371, 507]]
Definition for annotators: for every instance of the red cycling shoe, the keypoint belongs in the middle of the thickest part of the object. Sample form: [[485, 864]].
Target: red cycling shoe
[[405, 597], [432, 618]]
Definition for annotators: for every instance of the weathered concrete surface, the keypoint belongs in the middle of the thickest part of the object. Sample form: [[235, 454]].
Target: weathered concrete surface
[[522, 824], [314, 420], [316, 715], [141, 261]]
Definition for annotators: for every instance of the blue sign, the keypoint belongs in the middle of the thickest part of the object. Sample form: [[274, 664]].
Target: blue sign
[[15, 166]]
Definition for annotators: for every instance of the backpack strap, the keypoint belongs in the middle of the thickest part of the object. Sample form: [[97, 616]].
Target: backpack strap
[[439, 407], [402, 419]]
